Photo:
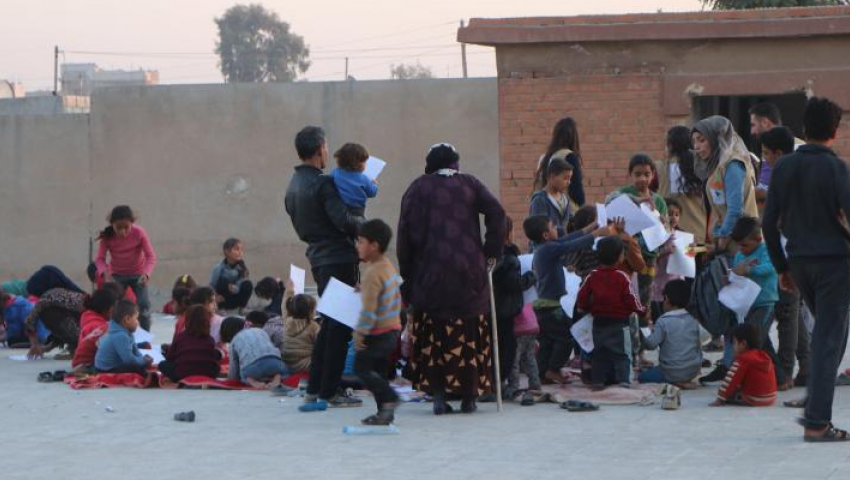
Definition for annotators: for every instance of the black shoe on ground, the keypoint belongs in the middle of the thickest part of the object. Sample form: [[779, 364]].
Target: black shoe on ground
[[716, 375]]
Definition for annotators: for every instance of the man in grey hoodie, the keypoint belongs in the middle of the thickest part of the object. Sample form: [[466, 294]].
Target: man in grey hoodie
[[678, 336]]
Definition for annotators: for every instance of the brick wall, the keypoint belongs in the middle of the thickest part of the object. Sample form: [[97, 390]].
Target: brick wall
[[617, 116]]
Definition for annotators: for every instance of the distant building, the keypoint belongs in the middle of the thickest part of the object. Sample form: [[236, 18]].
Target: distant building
[[83, 78], [10, 89]]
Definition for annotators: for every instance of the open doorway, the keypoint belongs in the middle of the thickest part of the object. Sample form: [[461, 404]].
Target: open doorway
[[736, 109]]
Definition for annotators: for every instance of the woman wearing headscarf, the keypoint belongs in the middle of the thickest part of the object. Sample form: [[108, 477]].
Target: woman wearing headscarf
[[677, 179], [444, 266], [724, 164]]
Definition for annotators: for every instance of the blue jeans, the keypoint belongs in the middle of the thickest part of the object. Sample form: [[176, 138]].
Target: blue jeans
[[142, 298], [653, 375], [264, 368]]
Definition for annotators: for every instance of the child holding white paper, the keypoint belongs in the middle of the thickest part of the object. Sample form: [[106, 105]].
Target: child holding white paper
[[662, 277], [300, 330], [353, 185]]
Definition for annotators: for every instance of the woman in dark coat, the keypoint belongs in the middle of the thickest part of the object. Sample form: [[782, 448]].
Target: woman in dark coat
[[444, 266]]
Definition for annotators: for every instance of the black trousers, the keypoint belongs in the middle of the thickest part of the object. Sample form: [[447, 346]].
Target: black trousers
[[554, 339], [507, 347], [824, 284], [329, 352], [235, 300], [611, 352], [370, 365]]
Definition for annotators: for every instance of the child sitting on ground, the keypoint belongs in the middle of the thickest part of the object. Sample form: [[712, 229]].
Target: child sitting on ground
[[554, 336], [607, 295], [509, 283], [229, 278], [183, 282], [271, 290], [193, 352], [353, 185], [93, 325], [117, 351], [204, 296], [674, 211], [377, 330], [299, 331], [678, 336], [14, 311], [253, 358], [751, 380]]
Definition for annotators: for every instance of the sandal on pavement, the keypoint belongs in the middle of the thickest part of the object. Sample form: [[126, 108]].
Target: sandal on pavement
[[45, 377], [579, 406], [799, 403], [831, 434]]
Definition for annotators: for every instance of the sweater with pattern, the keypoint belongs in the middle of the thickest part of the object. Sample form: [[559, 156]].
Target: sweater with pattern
[[380, 290]]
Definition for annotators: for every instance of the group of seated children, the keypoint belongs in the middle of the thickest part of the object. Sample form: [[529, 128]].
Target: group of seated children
[[621, 278]]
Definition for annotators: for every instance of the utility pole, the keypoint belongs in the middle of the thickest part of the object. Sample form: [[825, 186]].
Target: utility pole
[[463, 54], [346, 68], [56, 70]]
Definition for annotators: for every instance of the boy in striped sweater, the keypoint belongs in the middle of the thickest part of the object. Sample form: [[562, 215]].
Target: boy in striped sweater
[[751, 380], [376, 334]]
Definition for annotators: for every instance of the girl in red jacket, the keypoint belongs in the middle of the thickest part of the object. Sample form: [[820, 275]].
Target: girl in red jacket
[[751, 380], [93, 324]]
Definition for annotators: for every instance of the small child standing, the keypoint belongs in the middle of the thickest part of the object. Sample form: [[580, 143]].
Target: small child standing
[[193, 352], [253, 358], [553, 201], [377, 331], [554, 336], [117, 351], [509, 283], [353, 185], [751, 380], [131, 257], [229, 278], [674, 212], [678, 336], [607, 295]]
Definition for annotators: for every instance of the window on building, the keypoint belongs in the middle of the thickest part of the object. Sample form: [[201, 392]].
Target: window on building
[[736, 109]]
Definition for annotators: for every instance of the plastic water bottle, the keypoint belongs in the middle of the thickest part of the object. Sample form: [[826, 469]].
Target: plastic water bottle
[[370, 430]]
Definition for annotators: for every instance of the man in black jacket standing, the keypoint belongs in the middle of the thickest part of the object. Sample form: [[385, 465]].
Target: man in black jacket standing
[[808, 200], [321, 219]]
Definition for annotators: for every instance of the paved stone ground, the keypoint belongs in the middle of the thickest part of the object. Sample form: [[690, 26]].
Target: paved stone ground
[[48, 430]]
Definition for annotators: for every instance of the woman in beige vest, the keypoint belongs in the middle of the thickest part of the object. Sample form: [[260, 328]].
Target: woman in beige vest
[[724, 164], [677, 179]]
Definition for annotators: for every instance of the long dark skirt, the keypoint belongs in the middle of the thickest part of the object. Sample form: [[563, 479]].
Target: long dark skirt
[[452, 353]]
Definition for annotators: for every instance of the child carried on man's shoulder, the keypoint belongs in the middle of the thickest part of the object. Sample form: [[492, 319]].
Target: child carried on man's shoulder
[[353, 185]]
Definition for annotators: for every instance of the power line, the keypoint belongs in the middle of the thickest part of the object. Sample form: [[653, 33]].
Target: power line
[[402, 32]]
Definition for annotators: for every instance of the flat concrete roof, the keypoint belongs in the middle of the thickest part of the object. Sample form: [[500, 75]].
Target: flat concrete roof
[[728, 24]]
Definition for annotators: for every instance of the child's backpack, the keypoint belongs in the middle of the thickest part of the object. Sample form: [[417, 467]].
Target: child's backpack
[[705, 305]]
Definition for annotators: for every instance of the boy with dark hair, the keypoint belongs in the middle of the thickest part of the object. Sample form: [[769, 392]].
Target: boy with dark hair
[[678, 336], [376, 334], [117, 352], [322, 220], [554, 336], [272, 289], [809, 196], [751, 380], [607, 295], [355, 188]]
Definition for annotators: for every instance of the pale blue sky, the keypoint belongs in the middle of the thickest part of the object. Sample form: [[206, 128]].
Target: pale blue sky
[[133, 34]]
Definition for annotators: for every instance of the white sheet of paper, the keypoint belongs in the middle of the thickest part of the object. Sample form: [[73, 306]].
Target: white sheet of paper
[[636, 219], [18, 358], [525, 262], [601, 215], [657, 235], [740, 295], [298, 277], [142, 336], [680, 263], [646, 331], [583, 333], [374, 166], [675, 175], [155, 353], [572, 282], [341, 303]]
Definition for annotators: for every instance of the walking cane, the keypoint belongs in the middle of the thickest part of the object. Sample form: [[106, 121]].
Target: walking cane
[[495, 329]]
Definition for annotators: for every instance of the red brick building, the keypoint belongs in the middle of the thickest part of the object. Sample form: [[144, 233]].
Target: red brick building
[[627, 78]]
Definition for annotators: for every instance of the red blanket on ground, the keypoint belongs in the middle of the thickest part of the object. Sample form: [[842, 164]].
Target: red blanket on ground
[[157, 380]]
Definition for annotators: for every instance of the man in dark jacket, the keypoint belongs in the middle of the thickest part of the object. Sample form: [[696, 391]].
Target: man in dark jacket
[[321, 219], [809, 195]]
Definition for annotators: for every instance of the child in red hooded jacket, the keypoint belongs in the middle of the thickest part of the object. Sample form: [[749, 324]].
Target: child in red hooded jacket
[[93, 324]]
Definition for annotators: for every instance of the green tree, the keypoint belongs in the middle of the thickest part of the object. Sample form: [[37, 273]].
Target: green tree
[[408, 72], [255, 45], [747, 4]]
